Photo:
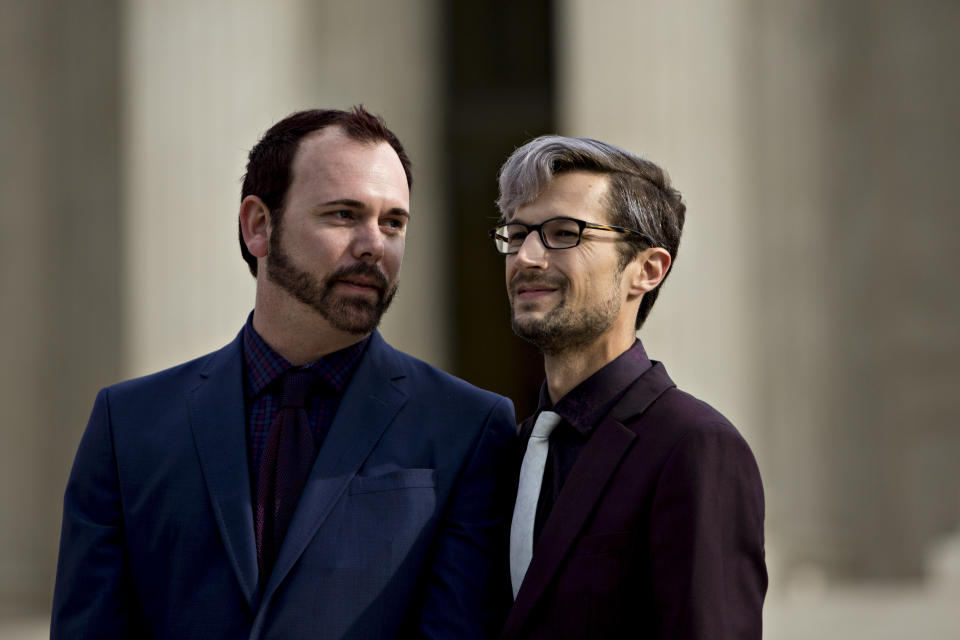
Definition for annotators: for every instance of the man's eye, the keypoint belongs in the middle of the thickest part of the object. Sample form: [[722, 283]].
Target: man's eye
[[394, 223], [342, 214]]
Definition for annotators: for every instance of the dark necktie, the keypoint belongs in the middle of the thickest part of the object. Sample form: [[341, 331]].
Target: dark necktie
[[287, 459]]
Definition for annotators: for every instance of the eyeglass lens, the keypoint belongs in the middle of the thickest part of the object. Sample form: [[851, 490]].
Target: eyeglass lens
[[559, 233]]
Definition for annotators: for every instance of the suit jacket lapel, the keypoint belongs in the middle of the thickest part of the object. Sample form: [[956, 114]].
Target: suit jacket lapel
[[580, 493], [368, 406], [582, 490], [218, 420]]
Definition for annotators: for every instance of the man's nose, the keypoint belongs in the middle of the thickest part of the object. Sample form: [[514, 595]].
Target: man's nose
[[532, 253], [368, 241]]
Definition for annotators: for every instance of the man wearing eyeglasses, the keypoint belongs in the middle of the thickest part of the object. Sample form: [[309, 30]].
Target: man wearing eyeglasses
[[639, 509]]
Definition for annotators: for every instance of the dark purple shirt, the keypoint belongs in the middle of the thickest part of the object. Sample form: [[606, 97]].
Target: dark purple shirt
[[262, 388], [582, 409]]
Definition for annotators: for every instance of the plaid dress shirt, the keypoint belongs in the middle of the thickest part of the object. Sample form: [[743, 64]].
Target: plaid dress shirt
[[262, 370]]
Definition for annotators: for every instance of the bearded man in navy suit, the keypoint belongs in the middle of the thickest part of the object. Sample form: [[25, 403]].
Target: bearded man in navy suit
[[307, 480], [639, 509]]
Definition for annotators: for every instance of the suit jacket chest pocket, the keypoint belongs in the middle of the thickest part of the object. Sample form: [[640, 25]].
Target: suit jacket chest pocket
[[393, 481], [381, 517], [599, 561]]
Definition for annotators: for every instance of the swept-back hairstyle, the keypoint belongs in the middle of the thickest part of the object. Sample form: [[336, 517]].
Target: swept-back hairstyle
[[270, 163], [640, 195]]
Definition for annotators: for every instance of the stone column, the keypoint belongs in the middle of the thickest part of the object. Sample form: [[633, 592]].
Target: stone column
[[813, 300], [204, 81], [879, 235], [666, 80], [60, 231]]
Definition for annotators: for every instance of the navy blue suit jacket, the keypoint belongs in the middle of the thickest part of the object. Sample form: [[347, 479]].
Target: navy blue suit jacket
[[398, 531]]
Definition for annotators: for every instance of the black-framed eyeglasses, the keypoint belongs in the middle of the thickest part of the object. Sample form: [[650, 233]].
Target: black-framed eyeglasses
[[555, 233]]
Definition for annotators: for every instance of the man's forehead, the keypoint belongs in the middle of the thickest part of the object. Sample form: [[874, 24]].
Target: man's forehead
[[330, 156], [577, 194], [328, 144]]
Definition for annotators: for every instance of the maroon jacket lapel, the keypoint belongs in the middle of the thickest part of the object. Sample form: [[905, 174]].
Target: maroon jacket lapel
[[582, 491]]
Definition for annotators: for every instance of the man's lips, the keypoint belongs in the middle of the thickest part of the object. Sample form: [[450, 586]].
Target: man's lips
[[359, 279], [360, 283], [531, 289], [528, 292]]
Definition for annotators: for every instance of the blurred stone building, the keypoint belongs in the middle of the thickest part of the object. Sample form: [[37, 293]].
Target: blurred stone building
[[812, 302]]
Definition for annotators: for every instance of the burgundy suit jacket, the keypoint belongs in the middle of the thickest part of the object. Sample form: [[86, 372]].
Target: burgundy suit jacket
[[657, 532]]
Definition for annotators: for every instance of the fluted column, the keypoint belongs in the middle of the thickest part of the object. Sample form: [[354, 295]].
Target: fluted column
[[60, 229], [204, 81], [812, 301]]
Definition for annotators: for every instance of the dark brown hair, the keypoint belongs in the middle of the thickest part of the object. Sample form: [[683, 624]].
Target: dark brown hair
[[270, 163]]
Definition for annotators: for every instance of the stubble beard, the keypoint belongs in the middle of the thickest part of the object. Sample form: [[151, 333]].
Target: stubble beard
[[563, 329], [352, 314]]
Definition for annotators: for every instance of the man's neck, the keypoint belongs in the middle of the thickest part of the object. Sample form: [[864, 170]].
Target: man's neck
[[295, 331], [564, 371]]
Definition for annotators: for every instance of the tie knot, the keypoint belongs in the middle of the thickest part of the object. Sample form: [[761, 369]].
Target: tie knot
[[297, 384], [546, 423]]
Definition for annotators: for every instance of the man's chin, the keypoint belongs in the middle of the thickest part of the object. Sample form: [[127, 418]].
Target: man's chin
[[530, 327], [533, 311], [357, 314], [352, 315], [354, 323]]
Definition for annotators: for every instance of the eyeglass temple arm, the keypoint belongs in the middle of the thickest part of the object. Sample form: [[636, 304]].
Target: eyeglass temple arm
[[624, 230]]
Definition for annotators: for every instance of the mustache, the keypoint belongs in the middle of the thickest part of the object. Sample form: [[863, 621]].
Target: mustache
[[367, 271], [547, 279]]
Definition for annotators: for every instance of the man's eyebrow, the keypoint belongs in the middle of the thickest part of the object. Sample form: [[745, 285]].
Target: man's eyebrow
[[356, 204], [345, 202]]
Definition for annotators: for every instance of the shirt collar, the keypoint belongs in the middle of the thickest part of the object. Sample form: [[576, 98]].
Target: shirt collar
[[264, 365], [587, 403]]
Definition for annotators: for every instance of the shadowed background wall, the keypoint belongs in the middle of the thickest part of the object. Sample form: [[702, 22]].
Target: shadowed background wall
[[813, 301]]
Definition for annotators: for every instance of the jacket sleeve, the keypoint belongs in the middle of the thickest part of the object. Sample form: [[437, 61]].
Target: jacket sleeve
[[709, 575], [93, 596], [467, 578]]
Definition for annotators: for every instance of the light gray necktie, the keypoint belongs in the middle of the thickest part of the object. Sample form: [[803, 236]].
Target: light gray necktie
[[528, 493]]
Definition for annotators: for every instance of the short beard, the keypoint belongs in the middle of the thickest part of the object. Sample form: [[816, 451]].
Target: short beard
[[356, 315], [563, 329]]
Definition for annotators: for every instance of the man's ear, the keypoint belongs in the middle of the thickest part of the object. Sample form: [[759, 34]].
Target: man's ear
[[255, 226], [648, 269]]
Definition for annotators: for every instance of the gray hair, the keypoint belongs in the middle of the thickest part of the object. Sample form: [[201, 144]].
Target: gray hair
[[640, 196]]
